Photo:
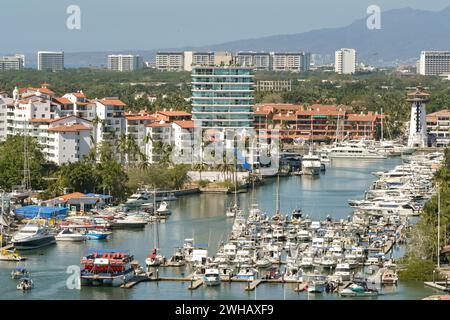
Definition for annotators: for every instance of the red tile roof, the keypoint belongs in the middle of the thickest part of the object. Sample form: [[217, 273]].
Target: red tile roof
[[111, 102], [62, 100], [185, 124], [173, 113], [71, 128]]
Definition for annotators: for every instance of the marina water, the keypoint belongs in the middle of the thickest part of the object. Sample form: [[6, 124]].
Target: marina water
[[202, 217]]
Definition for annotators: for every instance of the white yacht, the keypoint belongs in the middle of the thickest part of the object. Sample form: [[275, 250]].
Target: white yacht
[[212, 277], [311, 164], [163, 209], [343, 271], [32, 236], [139, 198], [69, 235], [355, 151]]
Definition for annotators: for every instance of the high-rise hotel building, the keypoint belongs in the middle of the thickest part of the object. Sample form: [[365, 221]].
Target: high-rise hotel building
[[222, 97], [345, 61], [434, 63], [124, 62], [50, 60]]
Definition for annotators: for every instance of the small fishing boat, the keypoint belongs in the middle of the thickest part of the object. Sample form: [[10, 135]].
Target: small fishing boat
[[69, 235], [26, 283], [19, 272], [129, 222], [389, 277], [246, 273], [212, 277], [177, 260], [10, 255]]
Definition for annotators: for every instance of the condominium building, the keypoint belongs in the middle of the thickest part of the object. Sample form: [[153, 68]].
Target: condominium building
[[434, 63], [254, 60], [50, 60], [222, 97], [438, 127], [203, 59], [290, 61], [110, 115], [159, 138], [12, 62], [121, 62], [170, 61], [316, 122], [345, 61]]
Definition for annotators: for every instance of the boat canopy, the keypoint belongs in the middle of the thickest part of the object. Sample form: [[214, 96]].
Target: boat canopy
[[44, 212]]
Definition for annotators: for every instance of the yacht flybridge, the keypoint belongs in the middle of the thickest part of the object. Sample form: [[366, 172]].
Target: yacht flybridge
[[355, 150]]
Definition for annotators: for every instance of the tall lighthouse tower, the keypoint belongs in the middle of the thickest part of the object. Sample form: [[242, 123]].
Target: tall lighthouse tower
[[418, 136]]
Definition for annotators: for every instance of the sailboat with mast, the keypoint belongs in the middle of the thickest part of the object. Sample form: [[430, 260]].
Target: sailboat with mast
[[234, 211], [155, 258]]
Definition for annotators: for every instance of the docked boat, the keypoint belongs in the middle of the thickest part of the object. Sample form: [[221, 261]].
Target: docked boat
[[343, 271], [246, 273], [129, 222], [70, 235], [316, 283], [10, 255], [97, 234], [139, 198], [177, 260], [212, 277], [154, 259], [19, 272], [389, 277], [26, 283], [106, 268], [32, 236], [311, 164], [355, 151], [163, 209]]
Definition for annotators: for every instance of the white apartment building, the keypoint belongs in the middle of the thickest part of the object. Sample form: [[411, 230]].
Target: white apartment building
[[203, 59], [274, 85], [66, 139], [183, 140], [171, 61], [345, 61], [82, 106], [255, 60], [16, 62], [50, 60], [110, 119], [4, 103], [124, 62], [434, 63], [135, 125], [438, 125], [159, 136], [290, 61]]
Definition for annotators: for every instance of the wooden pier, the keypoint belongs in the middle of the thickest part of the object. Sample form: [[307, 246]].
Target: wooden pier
[[195, 284], [440, 285], [252, 285]]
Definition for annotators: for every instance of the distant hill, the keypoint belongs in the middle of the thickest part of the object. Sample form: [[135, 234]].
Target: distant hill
[[403, 34]]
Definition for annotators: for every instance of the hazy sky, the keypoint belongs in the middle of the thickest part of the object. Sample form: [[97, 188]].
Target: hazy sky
[[31, 25]]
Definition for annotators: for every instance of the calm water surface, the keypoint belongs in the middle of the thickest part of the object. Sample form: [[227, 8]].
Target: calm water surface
[[203, 217]]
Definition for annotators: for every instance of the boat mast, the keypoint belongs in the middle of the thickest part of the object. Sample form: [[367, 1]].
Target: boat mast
[[382, 129], [277, 210]]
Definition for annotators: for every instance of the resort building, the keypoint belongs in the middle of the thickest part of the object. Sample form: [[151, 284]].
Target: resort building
[[50, 60], [170, 61], [315, 122], [12, 62], [159, 141], [434, 63], [110, 119], [290, 61], [254, 60], [438, 126], [123, 63], [345, 61]]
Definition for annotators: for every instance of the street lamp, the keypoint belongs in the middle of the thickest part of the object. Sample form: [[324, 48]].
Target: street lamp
[[434, 271]]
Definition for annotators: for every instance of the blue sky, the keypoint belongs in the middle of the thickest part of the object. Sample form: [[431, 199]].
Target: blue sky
[[31, 25]]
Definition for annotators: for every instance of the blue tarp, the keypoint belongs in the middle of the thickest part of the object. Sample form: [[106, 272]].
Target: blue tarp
[[44, 212]]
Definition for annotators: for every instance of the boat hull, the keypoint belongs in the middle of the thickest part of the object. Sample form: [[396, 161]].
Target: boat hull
[[34, 243]]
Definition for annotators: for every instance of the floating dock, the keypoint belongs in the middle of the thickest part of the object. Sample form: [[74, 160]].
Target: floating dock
[[440, 285]]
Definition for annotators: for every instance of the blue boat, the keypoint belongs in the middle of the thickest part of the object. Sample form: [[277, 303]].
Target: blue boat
[[97, 235]]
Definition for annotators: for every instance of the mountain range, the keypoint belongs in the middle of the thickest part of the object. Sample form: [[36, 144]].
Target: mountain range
[[403, 34]]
